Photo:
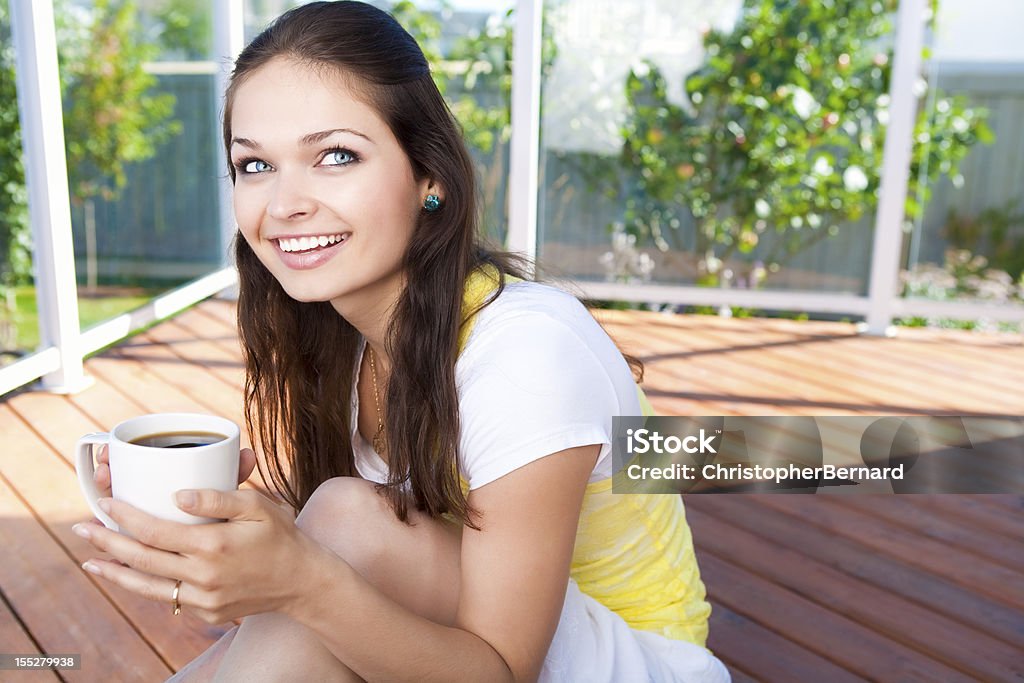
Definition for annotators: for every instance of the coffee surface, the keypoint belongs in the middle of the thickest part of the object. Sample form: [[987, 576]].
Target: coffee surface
[[189, 439]]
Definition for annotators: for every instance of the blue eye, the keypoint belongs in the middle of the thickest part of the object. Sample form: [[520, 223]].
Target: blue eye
[[250, 166], [341, 157]]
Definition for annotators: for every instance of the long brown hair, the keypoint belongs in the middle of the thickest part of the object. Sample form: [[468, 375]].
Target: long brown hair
[[300, 357]]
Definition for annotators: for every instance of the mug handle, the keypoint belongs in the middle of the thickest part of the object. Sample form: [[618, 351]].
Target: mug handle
[[86, 468]]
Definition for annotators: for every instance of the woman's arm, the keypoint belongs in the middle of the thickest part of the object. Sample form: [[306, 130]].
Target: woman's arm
[[514, 575], [512, 582]]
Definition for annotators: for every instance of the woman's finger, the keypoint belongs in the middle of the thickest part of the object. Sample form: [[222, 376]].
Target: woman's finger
[[102, 480], [103, 455], [157, 588], [233, 505], [131, 552], [174, 537], [246, 464]]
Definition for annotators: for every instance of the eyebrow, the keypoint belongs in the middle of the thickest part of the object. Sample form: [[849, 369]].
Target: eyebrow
[[305, 140]]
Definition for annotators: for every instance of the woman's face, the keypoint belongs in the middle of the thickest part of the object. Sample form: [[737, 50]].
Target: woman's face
[[323, 194]]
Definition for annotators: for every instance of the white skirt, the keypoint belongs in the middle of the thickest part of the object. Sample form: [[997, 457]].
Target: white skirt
[[593, 645]]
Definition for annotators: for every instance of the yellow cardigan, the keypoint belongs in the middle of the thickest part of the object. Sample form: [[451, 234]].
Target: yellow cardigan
[[633, 552]]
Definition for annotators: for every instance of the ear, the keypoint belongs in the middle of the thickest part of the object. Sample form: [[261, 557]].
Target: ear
[[431, 186]]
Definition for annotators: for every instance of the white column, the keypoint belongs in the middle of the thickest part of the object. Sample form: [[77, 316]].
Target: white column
[[886, 251], [525, 145], [49, 207], [228, 41]]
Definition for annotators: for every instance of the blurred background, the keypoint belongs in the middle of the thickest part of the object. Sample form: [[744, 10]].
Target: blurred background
[[712, 143]]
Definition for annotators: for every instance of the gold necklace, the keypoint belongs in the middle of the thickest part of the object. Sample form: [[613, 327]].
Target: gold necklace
[[379, 443]]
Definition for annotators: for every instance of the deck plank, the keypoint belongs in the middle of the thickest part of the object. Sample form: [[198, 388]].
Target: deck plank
[[737, 375], [187, 377], [978, 511], [14, 640], [714, 385], [804, 588], [831, 635], [832, 375], [786, 528], [62, 606], [948, 528], [968, 570], [751, 649], [902, 621]]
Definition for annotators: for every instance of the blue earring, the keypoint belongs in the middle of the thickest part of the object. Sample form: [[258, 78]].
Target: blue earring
[[432, 203]]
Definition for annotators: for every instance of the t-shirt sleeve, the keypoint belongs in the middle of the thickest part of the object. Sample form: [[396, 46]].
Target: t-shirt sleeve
[[533, 387]]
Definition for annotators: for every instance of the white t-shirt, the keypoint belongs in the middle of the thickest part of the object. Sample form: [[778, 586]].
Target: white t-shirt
[[538, 375]]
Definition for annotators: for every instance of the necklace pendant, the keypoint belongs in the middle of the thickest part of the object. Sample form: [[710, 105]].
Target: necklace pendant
[[378, 441]]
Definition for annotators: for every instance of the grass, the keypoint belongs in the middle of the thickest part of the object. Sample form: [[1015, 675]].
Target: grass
[[92, 309]]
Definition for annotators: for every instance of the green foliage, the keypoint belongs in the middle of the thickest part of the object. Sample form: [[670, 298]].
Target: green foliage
[[963, 276], [15, 233], [997, 231], [782, 140], [111, 118], [486, 57], [187, 28], [476, 79], [487, 60]]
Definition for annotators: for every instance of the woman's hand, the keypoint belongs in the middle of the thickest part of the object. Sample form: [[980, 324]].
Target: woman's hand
[[244, 566]]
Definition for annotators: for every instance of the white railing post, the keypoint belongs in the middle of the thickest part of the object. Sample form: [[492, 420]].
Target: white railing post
[[228, 41], [49, 207], [887, 248], [525, 144]]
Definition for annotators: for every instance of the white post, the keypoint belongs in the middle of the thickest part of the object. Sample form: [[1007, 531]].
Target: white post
[[525, 146], [887, 248], [228, 41], [46, 174]]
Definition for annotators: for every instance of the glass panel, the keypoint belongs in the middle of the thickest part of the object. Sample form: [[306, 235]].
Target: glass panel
[[723, 143], [469, 46], [140, 133], [968, 241], [19, 327]]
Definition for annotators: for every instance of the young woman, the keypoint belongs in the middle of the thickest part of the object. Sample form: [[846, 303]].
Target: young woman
[[441, 426]]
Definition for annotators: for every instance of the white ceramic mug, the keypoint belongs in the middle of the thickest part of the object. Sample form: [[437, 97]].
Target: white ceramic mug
[[147, 477]]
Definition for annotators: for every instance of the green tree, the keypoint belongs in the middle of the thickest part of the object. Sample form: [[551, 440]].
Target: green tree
[[111, 117], [186, 28], [15, 235], [782, 141]]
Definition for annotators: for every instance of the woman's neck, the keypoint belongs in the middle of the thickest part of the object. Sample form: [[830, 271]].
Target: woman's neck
[[369, 311]]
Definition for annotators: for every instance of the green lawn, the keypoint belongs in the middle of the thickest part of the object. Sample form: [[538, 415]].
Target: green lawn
[[91, 310]]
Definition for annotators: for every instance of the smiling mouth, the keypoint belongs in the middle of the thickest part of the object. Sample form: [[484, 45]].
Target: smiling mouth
[[305, 245]]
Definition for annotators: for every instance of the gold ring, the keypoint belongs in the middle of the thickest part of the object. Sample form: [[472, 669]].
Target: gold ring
[[174, 598]]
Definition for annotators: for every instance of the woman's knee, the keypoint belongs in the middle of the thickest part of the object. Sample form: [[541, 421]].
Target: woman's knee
[[342, 514], [418, 564]]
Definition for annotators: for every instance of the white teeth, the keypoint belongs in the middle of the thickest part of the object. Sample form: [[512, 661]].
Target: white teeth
[[309, 242]]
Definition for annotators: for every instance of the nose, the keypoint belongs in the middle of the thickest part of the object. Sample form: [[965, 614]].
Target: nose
[[291, 198]]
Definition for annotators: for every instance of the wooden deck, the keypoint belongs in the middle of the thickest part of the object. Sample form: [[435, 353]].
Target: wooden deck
[[804, 588]]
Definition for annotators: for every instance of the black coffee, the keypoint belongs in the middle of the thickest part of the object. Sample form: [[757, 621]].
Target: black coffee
[[178, 439]]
